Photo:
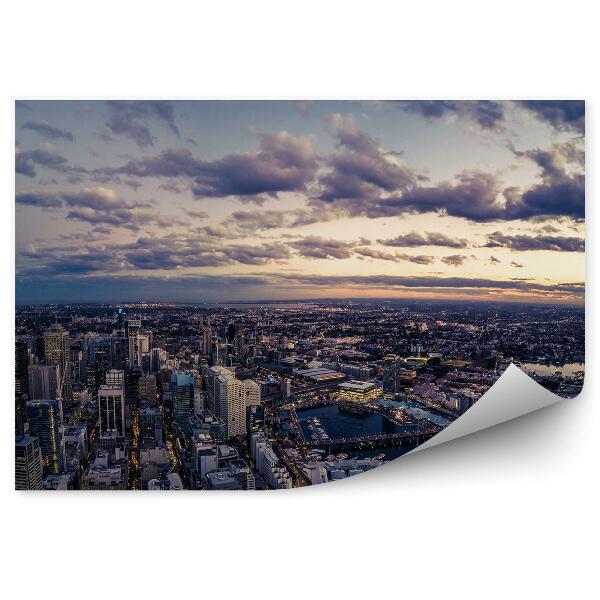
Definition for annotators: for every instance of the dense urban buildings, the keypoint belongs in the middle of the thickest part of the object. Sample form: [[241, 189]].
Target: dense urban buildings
[[264, 396], [245, 295]]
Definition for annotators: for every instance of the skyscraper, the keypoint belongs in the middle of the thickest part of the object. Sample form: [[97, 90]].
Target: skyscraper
[[115, 377], [111, 408], [44, 382], [56, 352], [230, 403], [206, 340], [391, 374], [44, 423], [21, 362], [183, 400], [251, 392], [28, 464], [132, 331]]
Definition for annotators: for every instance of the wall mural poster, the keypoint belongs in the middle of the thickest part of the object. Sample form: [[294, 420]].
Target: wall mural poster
[[235, 295]]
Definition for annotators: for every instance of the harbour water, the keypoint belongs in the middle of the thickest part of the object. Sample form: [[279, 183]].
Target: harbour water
[[338, 424]]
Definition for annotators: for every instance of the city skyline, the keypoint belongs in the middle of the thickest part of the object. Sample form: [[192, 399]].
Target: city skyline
[[193, 201]]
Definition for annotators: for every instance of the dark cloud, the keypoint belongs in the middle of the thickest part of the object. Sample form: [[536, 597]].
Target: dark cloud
[[523, 242], [560, 114], [129, 119], [455, 260], [381, 255], [195, 287], [100, 206], [172, 186], [516, 264], [134, 185], [284, 163], [486, 113], [398, 281], [170, 252], [361, 172], [415, 239], [494, 260], [46, 130], [40, 199], [27, 161], [197, 214], [249, 221], [317, 247], [256, 255]]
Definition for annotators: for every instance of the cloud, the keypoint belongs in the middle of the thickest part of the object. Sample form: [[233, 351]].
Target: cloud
[[284, 163], [40, 199], [516, 264], [455, 260], [45, 156], [539, 242], [46, 130], [414, 239], [494, 260], [381, 255], [563, 115], [99, 206], [197, 214], [98, 198], [361, 172], [195, 287], [317, 247], [256, 255], [249, 221], [129, 119], [169, 253], [486, 113]]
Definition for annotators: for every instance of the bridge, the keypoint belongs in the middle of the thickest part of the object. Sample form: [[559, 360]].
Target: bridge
[[377, 438]]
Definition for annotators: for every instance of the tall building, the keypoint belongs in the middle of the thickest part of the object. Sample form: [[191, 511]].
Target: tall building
[[182, 388], [392, 366], [251, 393], [114, 377], [148, 389], [28, 464], [132, 332], [206, 340], [44, 382], [21, 362], [44, 423], [286, 388], [56, 352], [230, 403], [19, 415], [158, 358], [111, 408]]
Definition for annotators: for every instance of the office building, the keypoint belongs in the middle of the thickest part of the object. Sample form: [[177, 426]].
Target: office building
[[57, 347], [28, 464], [230, 403], [44, 382], [111, 408], [182, 388], [45, 424], [21, 362]]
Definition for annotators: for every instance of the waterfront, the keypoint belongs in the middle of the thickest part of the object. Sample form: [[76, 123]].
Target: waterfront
[[338, 424], [414, 409]]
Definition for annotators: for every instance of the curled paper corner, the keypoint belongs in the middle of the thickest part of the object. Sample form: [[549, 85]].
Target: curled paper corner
[[513, 395]]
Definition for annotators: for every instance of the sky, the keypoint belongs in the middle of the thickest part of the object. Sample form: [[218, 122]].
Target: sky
[[219, 201]]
